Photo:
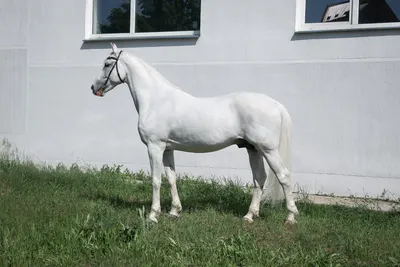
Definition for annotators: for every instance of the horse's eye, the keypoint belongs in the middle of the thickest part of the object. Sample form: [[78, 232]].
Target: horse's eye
[[106, 65]]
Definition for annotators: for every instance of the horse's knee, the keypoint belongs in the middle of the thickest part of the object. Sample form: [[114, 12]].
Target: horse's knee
[[156, 183]]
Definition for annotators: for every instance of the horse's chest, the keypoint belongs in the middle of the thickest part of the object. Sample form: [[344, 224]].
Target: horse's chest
[[152, 131]]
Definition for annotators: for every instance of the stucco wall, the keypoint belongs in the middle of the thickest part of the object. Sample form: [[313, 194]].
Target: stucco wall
[[340, 88]]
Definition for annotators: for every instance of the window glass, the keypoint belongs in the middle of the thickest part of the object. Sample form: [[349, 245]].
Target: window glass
[[167, 15], [379, 11], [111, 16], [325, 11]]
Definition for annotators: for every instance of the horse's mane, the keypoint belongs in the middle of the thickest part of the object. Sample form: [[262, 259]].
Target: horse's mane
[[157, 75]]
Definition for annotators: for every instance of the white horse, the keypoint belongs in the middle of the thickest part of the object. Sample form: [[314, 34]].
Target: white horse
[[170, 119]]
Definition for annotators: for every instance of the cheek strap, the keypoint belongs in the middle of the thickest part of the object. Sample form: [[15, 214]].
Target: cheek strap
[[116, 67]]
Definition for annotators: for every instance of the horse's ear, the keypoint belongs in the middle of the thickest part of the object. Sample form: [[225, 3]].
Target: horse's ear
[[114, 48]]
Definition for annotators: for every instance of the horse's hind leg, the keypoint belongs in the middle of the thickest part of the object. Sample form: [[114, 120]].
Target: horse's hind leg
[[282, 173], [169, 166], [259, 177]]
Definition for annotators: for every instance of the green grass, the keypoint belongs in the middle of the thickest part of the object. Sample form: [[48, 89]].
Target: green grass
[[66, 217]]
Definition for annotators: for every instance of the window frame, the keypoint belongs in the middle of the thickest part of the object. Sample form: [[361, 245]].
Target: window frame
[[302, 27], [90, 36]]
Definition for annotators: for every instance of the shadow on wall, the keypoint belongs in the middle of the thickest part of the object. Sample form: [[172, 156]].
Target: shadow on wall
[[345, 34], [156, 42]]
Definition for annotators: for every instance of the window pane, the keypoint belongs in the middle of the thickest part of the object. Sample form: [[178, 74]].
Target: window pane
[[379, 11], [111, 16], [167, 15], [327, 11]]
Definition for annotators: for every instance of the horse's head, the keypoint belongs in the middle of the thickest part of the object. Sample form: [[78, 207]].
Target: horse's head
[[112, 74]]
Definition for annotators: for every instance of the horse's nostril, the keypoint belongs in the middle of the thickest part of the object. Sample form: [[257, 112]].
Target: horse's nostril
[[92, 87]]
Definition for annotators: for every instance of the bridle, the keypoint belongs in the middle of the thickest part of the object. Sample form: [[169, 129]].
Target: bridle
[[114, 66]]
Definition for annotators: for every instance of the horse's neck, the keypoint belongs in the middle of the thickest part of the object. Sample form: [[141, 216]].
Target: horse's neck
[[144, 83], [148, 87], [155, 75], [140, 77]]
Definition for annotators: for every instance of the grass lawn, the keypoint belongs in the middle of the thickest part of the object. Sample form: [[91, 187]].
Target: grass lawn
[[66, 217]]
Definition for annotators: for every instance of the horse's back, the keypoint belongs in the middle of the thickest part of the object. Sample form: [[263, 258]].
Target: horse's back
[[256, 104], [251, 107]]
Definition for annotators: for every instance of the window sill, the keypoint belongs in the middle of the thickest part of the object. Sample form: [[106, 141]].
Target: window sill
[[345, 26], [142, 35]]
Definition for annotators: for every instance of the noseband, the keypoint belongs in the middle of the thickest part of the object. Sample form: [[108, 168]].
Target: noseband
[[114, 66]]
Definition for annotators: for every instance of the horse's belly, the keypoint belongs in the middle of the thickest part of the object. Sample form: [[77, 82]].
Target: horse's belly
[[205, 127], [202, 141], [198, 148]]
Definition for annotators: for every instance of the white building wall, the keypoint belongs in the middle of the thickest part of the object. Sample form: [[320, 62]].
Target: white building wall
[[340, 88]]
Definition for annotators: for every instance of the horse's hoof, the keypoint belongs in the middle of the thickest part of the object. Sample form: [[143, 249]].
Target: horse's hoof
[[153, 218], [174, 213], [295, 211], [290, 222], [248, 219]]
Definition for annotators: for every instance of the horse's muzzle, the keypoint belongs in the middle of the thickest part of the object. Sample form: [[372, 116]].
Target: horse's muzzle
[[99, 92]]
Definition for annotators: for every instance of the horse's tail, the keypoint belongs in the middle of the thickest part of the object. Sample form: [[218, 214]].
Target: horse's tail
[[273, 189]]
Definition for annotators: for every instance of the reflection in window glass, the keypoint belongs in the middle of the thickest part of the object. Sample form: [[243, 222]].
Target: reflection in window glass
[[318, 11], [167, 15], [111, 16], [379, 11]]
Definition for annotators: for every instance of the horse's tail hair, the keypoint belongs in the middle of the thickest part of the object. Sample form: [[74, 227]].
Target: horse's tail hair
[[273, 190]]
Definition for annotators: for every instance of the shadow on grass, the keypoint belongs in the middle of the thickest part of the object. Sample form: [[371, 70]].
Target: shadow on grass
[[118, 202], [194, 197], [196, 194]]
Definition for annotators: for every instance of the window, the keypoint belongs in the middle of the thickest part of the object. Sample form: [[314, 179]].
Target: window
[[124, 19], [328, 15]]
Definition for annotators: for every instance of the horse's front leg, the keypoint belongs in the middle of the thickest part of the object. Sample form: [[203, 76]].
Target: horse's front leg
[[169, 166], [155, 152]]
